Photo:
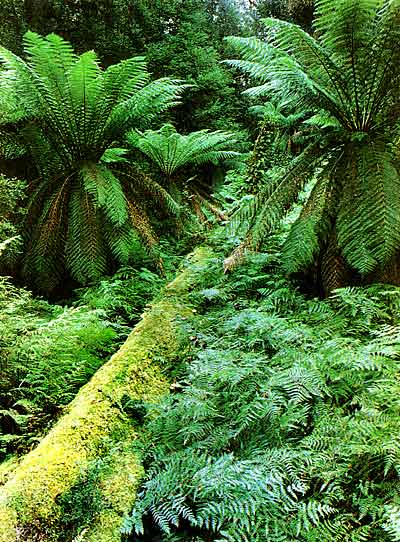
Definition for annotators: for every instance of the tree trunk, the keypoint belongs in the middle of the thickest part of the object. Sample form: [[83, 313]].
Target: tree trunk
[[335, 273], [390, 274], [331, 271], [97, 435]]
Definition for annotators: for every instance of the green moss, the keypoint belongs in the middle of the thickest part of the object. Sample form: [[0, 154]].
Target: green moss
[[95, 423], [102, 494], [186, 280], [107, 528], [118, 490]]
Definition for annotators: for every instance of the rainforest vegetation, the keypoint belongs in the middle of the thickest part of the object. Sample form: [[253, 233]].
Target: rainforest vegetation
[[199, 271]]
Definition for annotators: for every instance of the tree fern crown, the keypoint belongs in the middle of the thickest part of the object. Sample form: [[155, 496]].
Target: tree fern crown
[[346, 77], [172, 151], [88, 202]]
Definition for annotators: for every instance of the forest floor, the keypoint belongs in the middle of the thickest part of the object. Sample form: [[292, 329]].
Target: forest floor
[[283, 417], [284, 420]]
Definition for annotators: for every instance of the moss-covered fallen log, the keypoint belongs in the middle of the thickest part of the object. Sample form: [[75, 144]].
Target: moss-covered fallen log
[[97, 435]]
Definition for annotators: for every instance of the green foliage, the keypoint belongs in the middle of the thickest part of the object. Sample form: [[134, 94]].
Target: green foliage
[[110, 28], [12, 15], [87, 205], [172, 151], [12, 192], [47, 353], [285, 424], [10, 146], [278, 140], [117, 28], [297, 11], [189, 46], [284, 126], [122, 297], [352, 214]]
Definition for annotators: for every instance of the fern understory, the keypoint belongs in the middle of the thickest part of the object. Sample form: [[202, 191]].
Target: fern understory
[[48, 351], [284, 424]]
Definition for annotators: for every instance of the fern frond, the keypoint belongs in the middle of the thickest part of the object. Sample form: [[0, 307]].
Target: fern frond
[[124, 79], [311, 229], [84, 246], [46, 254], [140, 110], [83, 90], [172, 151], [106, 192], [145, 230], [264, 212], [51, 56], [392, 521], [369, 215], [141, 183]]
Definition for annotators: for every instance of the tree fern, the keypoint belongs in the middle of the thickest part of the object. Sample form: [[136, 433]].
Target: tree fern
[[347, 77], [173, 153], [88, 199]]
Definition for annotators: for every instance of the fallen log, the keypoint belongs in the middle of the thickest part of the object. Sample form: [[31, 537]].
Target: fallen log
[[96, 428]]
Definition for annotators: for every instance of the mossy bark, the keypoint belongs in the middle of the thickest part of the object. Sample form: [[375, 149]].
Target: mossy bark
[[94, 425]]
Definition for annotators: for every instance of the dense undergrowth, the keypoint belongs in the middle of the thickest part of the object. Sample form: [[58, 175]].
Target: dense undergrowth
[[49, 351], [283, 424]]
